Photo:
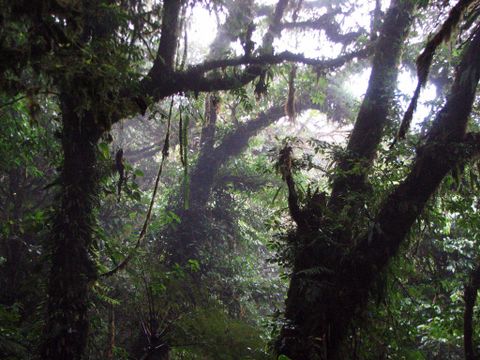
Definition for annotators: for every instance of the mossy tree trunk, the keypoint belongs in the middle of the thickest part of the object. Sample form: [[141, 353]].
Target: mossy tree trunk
[[339, 259], [73, 269]]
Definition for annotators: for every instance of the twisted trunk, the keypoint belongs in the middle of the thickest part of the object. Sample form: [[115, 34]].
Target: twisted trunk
[[317, 320], [334, 274]]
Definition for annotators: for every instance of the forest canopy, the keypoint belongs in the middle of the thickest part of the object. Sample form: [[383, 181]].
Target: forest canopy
[[218, 179]]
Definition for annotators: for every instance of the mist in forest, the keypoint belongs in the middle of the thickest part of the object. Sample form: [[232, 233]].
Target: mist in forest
[[234, 180]]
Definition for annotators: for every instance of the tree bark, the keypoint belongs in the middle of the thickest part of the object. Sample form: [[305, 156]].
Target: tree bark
[[14, 251], [470, 298], [109, 353], [203, 176], [317, 321], [72, 269], [332, 278], [375, 109]]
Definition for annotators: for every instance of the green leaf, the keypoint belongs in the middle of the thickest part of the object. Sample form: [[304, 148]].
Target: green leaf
[[104, 150], [194, 265], [173, 217]]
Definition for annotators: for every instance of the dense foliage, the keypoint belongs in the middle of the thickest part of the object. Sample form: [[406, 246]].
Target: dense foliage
[[239, 179]]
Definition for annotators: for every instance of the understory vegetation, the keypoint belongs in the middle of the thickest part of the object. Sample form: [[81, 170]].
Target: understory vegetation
[[233, 180]]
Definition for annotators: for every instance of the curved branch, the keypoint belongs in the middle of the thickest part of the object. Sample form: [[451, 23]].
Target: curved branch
[[327, 23], [424, 60], [375, 109], [164, 60], [123, 264], [231, 145], [239, 138], [447, 144], [195, 79], [285, 56]]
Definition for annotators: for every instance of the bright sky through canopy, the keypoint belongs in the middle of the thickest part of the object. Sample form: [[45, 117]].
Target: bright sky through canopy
[[314, 44]]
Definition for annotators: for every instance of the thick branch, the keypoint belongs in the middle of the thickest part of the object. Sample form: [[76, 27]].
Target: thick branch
[[159, 84], [376, 106], [195, 79], [354, 273], [285, 56], [232, 145], [327, 23], [169, 35], [240, 137], [447, 144], [163, 66]]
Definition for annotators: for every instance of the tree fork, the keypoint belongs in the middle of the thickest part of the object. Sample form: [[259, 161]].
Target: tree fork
[[346, 288], [376, 106], [317, 324]]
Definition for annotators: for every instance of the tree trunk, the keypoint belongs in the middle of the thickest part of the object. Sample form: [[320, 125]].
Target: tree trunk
[[333, 274], [319, 306], [72, 269], [109, 353], [13, 250], [204, 174], [470, 298]]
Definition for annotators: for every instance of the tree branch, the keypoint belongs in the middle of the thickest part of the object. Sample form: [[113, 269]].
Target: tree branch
[[239, 137], [233, 143], [195, 79], [159, 83], [374, 111], [447, 144], [168, 39], [327, 23], [285, 56]]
